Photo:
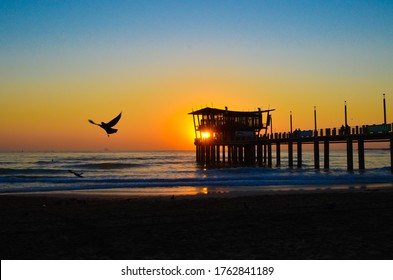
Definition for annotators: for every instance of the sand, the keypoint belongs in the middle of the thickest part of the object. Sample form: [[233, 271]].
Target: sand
[[340, 224]]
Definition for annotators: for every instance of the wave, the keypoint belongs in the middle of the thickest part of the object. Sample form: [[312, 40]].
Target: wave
[[44, 162], [13, 171], [37, 172], [108, 165], [244, 178], [146, 157]]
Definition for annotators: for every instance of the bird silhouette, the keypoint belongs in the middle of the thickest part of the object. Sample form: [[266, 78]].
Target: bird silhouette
[[75, 173], [108, 127]]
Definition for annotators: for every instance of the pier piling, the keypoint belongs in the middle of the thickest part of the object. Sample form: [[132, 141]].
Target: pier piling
[[299, 154], [349, 155], [290, 153], [316, 154], [326, 154], [361, 154], [391, 154], [278, 154], [269, 155]]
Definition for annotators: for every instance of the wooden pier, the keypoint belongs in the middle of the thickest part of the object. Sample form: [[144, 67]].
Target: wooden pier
[[224, 137]]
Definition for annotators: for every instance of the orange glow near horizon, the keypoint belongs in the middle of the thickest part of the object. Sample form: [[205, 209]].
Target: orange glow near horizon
[[146, 125]]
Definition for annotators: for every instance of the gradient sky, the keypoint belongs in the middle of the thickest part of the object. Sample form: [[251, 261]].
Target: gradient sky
[[64, 62]]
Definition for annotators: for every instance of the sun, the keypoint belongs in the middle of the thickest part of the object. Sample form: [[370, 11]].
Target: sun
[[205, 135]]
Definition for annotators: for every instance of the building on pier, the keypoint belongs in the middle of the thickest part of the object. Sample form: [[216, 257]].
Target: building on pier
[[224, 125], [225, 136]]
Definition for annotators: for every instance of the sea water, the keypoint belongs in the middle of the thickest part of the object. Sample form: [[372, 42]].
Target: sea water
[[176, 172]]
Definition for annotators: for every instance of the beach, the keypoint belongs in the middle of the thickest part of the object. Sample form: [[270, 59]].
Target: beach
[[349, 223]]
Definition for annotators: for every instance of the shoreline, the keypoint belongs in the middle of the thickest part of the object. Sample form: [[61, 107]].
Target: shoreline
[[347, 223], [205, 192]]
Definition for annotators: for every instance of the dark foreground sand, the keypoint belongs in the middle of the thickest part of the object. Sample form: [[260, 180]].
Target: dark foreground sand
[[351, 224]]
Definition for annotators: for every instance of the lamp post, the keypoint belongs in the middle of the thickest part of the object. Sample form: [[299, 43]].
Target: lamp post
[[345, 111], [290, 121], [384, 109]]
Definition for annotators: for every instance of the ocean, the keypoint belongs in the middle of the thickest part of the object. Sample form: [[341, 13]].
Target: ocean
[[175, 172]]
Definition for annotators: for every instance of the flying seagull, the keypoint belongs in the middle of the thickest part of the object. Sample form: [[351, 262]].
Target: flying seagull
[[75, 173], [108, 127]]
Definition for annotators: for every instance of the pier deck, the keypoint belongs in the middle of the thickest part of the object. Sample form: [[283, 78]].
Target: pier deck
[[222, 141]]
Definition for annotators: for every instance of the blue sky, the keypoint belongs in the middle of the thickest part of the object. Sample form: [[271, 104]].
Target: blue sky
[[56, 23]]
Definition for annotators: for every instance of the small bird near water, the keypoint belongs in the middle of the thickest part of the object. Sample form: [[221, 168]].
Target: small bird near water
[[108, 127], [76, 173]]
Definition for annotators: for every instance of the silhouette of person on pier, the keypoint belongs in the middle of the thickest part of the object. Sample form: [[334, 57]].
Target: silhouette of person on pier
[[344, 130]]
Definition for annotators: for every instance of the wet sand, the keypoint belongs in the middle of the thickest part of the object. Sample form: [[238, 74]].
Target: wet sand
[[340, 224]]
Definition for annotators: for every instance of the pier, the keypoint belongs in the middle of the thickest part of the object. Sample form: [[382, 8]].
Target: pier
[[224, 137]]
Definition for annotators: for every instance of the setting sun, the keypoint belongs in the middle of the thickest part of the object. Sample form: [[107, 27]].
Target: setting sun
[[205, 135]]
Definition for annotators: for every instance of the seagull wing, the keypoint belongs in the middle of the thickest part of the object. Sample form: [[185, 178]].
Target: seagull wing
[[72, 172], [114, 121], [90, 121]]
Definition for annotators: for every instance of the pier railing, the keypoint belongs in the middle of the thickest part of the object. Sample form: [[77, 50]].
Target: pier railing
[[375, 130], [258, 150]]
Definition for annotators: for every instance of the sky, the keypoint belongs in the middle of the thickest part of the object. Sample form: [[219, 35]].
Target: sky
[[64, 62]]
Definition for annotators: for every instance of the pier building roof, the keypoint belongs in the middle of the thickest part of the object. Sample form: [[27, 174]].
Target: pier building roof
[[215, 111]]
